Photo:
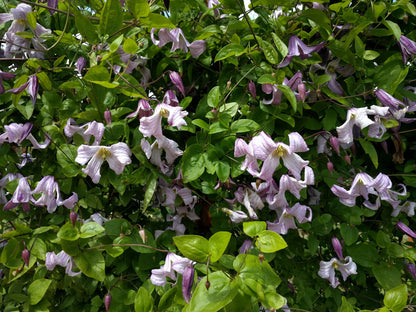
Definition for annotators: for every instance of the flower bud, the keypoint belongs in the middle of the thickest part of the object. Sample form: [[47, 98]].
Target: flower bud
[[177, 81], [302, 91], [107, 117], [252, 89], [405, 18], [335, 144], [26, 256], [385, 147], [107, 302], [228, 84], [187, 282], [142, 234], [207, 284], [405, 229], [261, 258], [411, 268], [290, 285], [73, 217], [81, 62], [330, 167], [337, 247], [347, 159]]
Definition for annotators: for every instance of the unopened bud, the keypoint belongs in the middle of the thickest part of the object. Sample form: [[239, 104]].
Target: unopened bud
[[353, 149], [252, 89], [26, 256], [107, 117], [142, 234], [290, 285], [330, 167], [107, 302], [81, 62], [73, 217], [318, 93], [187, 283], [337, 247], [228, 84], [261, 258], [273, 74], [405, 18], [335, 144], [99, 57], [347, 159], [405, 229], [302, 91], [385, 147], [207, 284]]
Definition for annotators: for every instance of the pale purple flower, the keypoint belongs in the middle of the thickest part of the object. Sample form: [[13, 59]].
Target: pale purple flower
[[22, 195], [93, 128], [170, 98], [298, 48], [3, 181], [397, 108], [62, 259], [177, 37], [286, 220], [407, 48], [152, 125], [408, 208], [32, 87], [17, 133], [143, 110], [405, 229], [361, 186], [250, 199], [331, 70], [117, 156], [172, 263], [383, 185], [5, 76], [327, 270], [52, 4], [177, 81], [235, 216]]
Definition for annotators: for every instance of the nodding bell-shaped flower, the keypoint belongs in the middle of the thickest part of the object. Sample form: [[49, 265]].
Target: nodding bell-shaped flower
[[107, 302], [62, 259], [172, 263], [187, 282], [5, 76], [177, 81], [143, 110], [117, 156], [407, 47], [32, 87], [235, 216], [17, 133], [298, 48], [22, 195], [327, 270], [405, 229], [93, 128], [286, 220]]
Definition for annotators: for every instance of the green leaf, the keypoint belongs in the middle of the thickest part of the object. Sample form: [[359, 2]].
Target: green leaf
[[139, 8], [143, 302], [395, 29], [254, 228], [65, 155], [130, 46], [349, 233], [222, 290], [345, 306], [232, 49], [92, 264], [363, 254], [97, 73], [395, 299], [193, 162], [370, 55], [269, 52], [111, 18], [200, 123], [218, 244], [116, 44], [269, 241], [90, 229], [222, 169], [85, 27], [37, 290], [150, 190], [370, 150], [31, 19], [320, 18], [274, 300], [44, 80], [68, 232], [266, 78], [389, 75], [213, 98], [158, 21], [289, 95], [281, 46], [387, 275], [249, 267], [330, 120], [193, 247], [244, 125]]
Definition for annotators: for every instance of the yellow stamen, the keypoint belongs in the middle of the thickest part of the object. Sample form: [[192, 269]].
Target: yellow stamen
[[164, 112], [103, 153], [280, 151]]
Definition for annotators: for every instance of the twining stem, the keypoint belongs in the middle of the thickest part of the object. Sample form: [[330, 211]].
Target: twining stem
[[126, 245]]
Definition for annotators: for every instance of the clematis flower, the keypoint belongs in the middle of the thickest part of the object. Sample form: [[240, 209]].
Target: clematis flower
[[407, 48], [286, 220], [81, 62], [251, 200], [177, 81], [383, 185], [359, 117], [32, 86], [5, 76], [235, 216], [62, 259], [298, 48], [177, 37], [117, 156], [3, 181], [172, 263], [152, 125], [327, 270], [397, 108], [22, 195], [331, 70], [97, 218], [405, 229], [93, 128], [361, 186], [143, 110], [17, 133], [170, 98], [411, 268], [187, 282], [408, 208]]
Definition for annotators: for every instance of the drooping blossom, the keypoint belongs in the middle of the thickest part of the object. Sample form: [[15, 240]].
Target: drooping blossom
[[5, 76], [331, 70], [405, 229], [81, 62], [235, 216], [177, 81], [407, 48], [172, 263], [170, 98], [93, 128], [251, 201], [298, 48], [359, 117], [143, 110], [294, 84], [383, 186], [397, 108], [117, 156], [17, 133], [3, 181], [286, 220], [327, 270], [32, 87], [16, 45], [154, 152], [62, 259], [178, 40], [411, 268], [97, 218], [22, 195], [53, 4], [408, 208], [264, 148]]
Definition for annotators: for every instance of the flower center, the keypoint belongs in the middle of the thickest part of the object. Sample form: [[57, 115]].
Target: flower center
[[164, 112], [280, 151], [103, 153], [335, 264]]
